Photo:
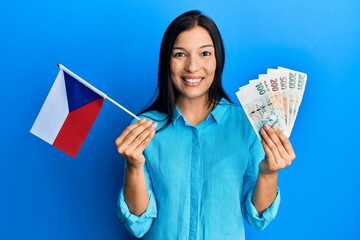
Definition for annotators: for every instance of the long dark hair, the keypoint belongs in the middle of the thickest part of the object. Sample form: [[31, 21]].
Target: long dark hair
[[167, 93]]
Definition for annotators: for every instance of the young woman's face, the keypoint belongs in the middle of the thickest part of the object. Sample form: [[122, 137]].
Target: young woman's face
[[193, 63]]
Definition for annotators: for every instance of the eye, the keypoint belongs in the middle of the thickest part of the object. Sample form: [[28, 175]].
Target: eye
[[178, 54], [206, 53]]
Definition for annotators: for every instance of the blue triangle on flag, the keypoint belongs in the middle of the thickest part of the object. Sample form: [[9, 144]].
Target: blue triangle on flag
[[77, 93]]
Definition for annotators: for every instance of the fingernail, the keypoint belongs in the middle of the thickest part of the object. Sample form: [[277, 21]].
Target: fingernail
[[266, 127], [262, 132]]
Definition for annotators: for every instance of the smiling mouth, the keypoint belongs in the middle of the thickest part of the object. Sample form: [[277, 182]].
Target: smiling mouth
[[192, 81]]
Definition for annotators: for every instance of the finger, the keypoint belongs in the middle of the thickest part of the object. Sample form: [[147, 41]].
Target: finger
[[132, 133], [271, 132], [281, 156], [148, 139], [268, 164], [268, 154], [127, 143], [276, 135], [285, 143], [120, 139], [141, 141], [267, 135], [281, 141], [136, 148]]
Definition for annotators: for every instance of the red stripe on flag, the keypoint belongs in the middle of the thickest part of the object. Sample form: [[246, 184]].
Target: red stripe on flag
[[76, 127]]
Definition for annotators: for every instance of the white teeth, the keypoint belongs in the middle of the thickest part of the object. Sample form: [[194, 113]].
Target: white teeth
[[191, 80]]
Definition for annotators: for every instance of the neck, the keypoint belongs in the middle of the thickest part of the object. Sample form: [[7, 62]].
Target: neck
[[195, 111]]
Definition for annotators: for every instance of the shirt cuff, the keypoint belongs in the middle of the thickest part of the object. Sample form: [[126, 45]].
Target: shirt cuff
[[260, 222], [137, 225]]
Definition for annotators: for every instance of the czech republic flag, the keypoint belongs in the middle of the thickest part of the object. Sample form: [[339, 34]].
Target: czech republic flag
[[68, 112]]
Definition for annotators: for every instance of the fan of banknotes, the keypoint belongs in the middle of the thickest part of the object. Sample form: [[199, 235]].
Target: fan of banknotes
[[274, 99]]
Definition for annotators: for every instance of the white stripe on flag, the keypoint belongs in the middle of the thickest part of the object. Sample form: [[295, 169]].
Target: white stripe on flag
[[53, 112]]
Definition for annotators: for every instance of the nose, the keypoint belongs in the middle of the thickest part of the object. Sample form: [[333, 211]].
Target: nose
[[192, 64]]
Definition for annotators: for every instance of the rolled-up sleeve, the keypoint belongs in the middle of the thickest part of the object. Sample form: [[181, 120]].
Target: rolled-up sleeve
[[261, 221], [138, 225]]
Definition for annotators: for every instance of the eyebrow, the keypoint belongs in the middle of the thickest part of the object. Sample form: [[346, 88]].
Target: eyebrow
[[203, 46]]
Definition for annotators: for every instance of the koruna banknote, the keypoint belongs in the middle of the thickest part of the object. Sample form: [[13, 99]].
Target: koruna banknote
[[274, 98]]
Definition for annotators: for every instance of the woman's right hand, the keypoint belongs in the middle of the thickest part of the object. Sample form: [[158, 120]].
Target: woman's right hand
[[133, 140]]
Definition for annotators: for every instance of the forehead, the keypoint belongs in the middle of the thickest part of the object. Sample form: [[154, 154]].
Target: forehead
[[194, 37]]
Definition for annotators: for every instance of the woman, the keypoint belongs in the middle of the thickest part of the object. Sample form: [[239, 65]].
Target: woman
[[204, 170]]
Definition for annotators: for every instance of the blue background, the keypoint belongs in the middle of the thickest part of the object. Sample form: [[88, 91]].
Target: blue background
[[114, 45]]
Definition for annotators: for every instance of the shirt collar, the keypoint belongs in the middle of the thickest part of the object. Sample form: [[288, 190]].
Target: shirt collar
[[177, 114], [217, 113], [220, 109]]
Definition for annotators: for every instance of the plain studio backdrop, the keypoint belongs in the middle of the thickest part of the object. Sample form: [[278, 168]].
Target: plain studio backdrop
[[114, 45]]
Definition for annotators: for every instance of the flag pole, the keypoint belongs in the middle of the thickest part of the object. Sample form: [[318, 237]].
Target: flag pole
[[123, 108], [96, 90]]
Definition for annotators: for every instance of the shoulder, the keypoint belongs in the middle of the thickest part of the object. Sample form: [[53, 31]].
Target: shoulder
[[155, 116]]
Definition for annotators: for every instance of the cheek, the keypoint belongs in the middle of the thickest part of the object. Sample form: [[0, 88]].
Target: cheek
[[211, 66], [174, 67]]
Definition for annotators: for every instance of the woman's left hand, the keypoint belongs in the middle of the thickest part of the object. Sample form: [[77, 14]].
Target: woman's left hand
[[278, 150]]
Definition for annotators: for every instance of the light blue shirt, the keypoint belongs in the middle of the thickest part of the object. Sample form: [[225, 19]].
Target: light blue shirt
[[200, 179]]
